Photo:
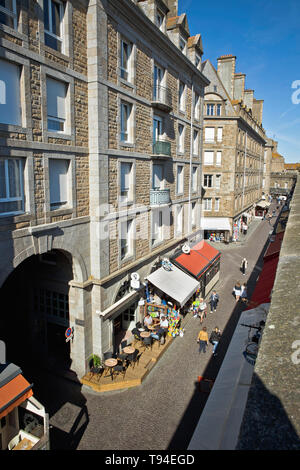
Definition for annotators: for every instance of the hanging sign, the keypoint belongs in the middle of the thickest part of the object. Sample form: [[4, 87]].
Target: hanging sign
[[135, 281]]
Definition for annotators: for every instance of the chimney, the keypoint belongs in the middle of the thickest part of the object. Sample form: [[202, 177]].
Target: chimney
[[239, 86], [173, 7], [248, 98], [226, 71], [258, 109]]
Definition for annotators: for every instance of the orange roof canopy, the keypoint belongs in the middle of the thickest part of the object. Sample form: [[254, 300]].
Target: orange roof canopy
[[13, 394]]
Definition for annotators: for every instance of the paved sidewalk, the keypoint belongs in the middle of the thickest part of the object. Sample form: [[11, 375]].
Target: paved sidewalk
[[163, 412]]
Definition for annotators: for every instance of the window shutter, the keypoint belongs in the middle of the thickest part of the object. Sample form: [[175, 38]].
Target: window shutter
[[58, 176], [209, 133], [56, 98], [208, 157], [157, 176], [10, 105]]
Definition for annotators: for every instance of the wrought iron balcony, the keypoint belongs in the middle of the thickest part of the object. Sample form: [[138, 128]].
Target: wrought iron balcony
[[162, 148], [159, 196], [162, 98]]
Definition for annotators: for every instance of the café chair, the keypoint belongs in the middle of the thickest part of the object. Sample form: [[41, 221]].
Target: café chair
[[147, 342], [133, 358], [119, 369]]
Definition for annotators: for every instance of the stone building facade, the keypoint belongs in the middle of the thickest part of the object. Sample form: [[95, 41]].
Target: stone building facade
[[233, 150], [100, 135]]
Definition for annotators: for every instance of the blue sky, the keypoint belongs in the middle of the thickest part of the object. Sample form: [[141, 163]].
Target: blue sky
[[264, 35]]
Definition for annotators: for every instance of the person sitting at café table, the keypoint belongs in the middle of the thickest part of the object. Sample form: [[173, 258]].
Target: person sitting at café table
[[162, 329], [147, 320]]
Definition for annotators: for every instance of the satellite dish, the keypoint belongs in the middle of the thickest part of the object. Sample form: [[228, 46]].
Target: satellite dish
[[186, 249]]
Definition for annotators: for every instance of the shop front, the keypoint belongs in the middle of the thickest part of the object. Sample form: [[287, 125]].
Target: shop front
[[203, 263], [261, 208], [170, 293], [216, 229]]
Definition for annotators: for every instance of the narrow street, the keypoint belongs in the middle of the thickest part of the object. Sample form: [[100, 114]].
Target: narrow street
[[162, 413]]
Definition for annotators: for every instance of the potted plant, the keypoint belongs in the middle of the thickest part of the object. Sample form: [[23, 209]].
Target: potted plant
[[95, 363]]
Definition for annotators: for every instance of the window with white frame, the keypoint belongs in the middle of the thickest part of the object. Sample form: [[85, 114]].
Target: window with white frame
[[11, 186], [125, 122], [208, 181], [53, 24], [217, 181], [207, 204], [219, 134], [181, 96], [179, 186], [217, 204], [126, 181], [157, 176], [56, 105], [179, 219], [218, 110], [125, 60], [193, 215], [219, 158], [180, 138], [195, 142], [126, 239], [158, 78], [59, 183], [10, 103], [209, 134], [210, 109], [157, 129], [194, 178], [157, 226], [208, 157], [9, 13], [197, 107]]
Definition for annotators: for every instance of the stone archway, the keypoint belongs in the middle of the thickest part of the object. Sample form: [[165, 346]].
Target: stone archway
[[42, 303]]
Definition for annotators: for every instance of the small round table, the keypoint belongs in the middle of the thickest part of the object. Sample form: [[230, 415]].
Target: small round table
[[129, 350], [110, 363], [145, 334]]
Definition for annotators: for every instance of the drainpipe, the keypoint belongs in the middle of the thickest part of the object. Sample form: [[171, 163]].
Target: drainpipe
[[244, 170], [191, 159]]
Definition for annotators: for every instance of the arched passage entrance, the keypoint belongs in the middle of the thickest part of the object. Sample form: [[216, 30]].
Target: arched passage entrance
[[35, 311]]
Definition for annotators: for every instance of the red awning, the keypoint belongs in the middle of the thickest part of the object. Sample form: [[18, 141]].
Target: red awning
[[12, 394], [264, 285], [275, 246], [199, 260]]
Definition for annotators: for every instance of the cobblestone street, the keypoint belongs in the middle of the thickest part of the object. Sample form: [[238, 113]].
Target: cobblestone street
[[163, 412]]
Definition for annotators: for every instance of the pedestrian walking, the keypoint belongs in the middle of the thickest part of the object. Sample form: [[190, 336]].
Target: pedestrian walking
[[213, 301], [245, 228], [244, 265], [237, 291], [202, 309], [244, 295], [202, 339], [214, 339]]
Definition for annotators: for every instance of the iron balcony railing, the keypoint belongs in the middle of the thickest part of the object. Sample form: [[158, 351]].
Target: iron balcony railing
[[159, 196], [162, 147], [162, 97]]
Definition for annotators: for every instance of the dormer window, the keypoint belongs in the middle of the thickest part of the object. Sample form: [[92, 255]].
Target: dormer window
[[159, 19], [197, 60], [182, 44]]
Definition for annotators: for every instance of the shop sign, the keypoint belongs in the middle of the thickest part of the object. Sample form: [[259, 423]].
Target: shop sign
[[135, 281]]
